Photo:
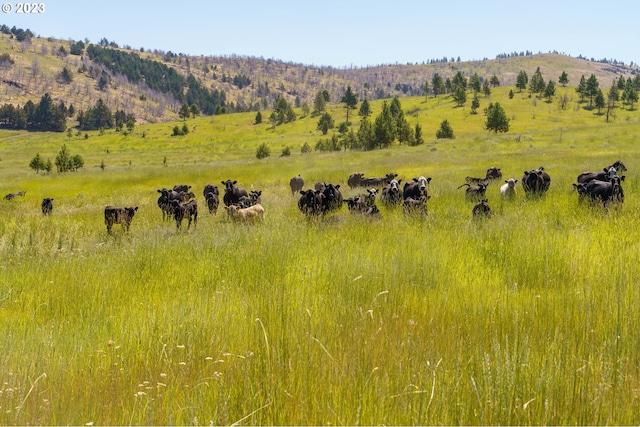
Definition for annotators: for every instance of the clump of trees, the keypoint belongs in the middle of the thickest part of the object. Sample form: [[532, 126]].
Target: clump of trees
[[65, 162], [45, 116], [101, 117]]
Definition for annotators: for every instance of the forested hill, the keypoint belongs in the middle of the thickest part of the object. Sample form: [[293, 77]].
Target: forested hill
[[153, 85]]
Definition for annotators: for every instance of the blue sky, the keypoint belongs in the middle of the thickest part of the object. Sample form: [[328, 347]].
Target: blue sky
[[344, 33]]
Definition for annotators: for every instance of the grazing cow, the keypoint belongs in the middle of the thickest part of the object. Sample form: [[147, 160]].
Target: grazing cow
[[412, 206], [474, 193], [232, 193], [493, 173], [310, 203], [354, 180], [606, 191], [252, 213], [12, 196], [332, 199], [296, 183], [536, 181], [47, 206], [183, 188], [481, 209], [252, 199], [474, 181], [377, 182], [210, 188], [606, 174], [391, 194], [188, 210], [124, 216], [508, 189], [213, 201], [415, 188]]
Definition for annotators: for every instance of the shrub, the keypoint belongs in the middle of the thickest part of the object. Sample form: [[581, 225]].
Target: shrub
[[263, 151]]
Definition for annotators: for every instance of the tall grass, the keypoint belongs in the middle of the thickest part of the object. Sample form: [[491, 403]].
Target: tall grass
[[527, 317]]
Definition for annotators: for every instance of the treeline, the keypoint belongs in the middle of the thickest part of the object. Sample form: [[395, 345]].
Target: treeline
[[101, 117], [158, 76], [45, 116]]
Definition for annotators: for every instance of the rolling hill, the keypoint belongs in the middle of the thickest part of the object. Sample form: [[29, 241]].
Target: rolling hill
[[35, 65]]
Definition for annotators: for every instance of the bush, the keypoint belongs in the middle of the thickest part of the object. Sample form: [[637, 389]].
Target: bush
[[263, 151], [306, 148], [286, 152], [445, 131]]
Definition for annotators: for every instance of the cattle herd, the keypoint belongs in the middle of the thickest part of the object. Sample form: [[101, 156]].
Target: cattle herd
[[179, 203]]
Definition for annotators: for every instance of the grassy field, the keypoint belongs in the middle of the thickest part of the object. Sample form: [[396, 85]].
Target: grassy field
[[527, 317]]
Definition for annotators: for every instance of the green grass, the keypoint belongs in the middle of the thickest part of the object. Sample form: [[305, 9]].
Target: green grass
[[528, 317]]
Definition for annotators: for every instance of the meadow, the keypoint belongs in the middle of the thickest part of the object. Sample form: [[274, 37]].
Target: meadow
[[527, 317]]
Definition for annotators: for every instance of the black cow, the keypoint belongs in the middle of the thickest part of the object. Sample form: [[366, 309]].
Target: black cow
[[47, 206], [391, 194], [332, 199], [165, 201], [493, 173], [232, 193], [412, 206], [296, 183], [606, 191], [606, 174], [188, 210], [356, 204], [182, 188], [481, 209], [618, 166], [247, 201], [377, 182], [354, 180], [473, 193], [210, 188], [213, 202], [12, 196], [362, 202], [416, 188], [310, 203], [124, 216], [536, 181]]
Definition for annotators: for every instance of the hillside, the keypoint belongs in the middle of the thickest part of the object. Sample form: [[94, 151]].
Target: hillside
[[247, 83]]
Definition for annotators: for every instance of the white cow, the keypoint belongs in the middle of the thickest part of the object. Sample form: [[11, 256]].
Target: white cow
[[508, 190]]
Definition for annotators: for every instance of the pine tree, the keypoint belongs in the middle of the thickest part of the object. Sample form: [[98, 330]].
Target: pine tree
[[497, 119], [445, 131], [563, 79], [350, 101], [522, 80], [365, 109]]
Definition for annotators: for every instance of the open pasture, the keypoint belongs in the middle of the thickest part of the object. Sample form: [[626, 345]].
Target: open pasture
[[527, 317]]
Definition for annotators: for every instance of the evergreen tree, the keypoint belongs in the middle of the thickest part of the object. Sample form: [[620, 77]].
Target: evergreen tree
[[350, 101], [258, 119], [495, 81], [445, 131], [600, 102], [47, 117], [591, 89], [474, 83], [459, 80], [497, 119], [550, 90], [418, 140], [37, 163], [475, 104], [563, 79], [194, 110], [325, 123], [460, 96], [365, 109], [522, 80], [537, 85], [366, 136], [614, 94], [582, 88], [384, 128], [426, 89], [184, 112], [319, 103], [437, 85]]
